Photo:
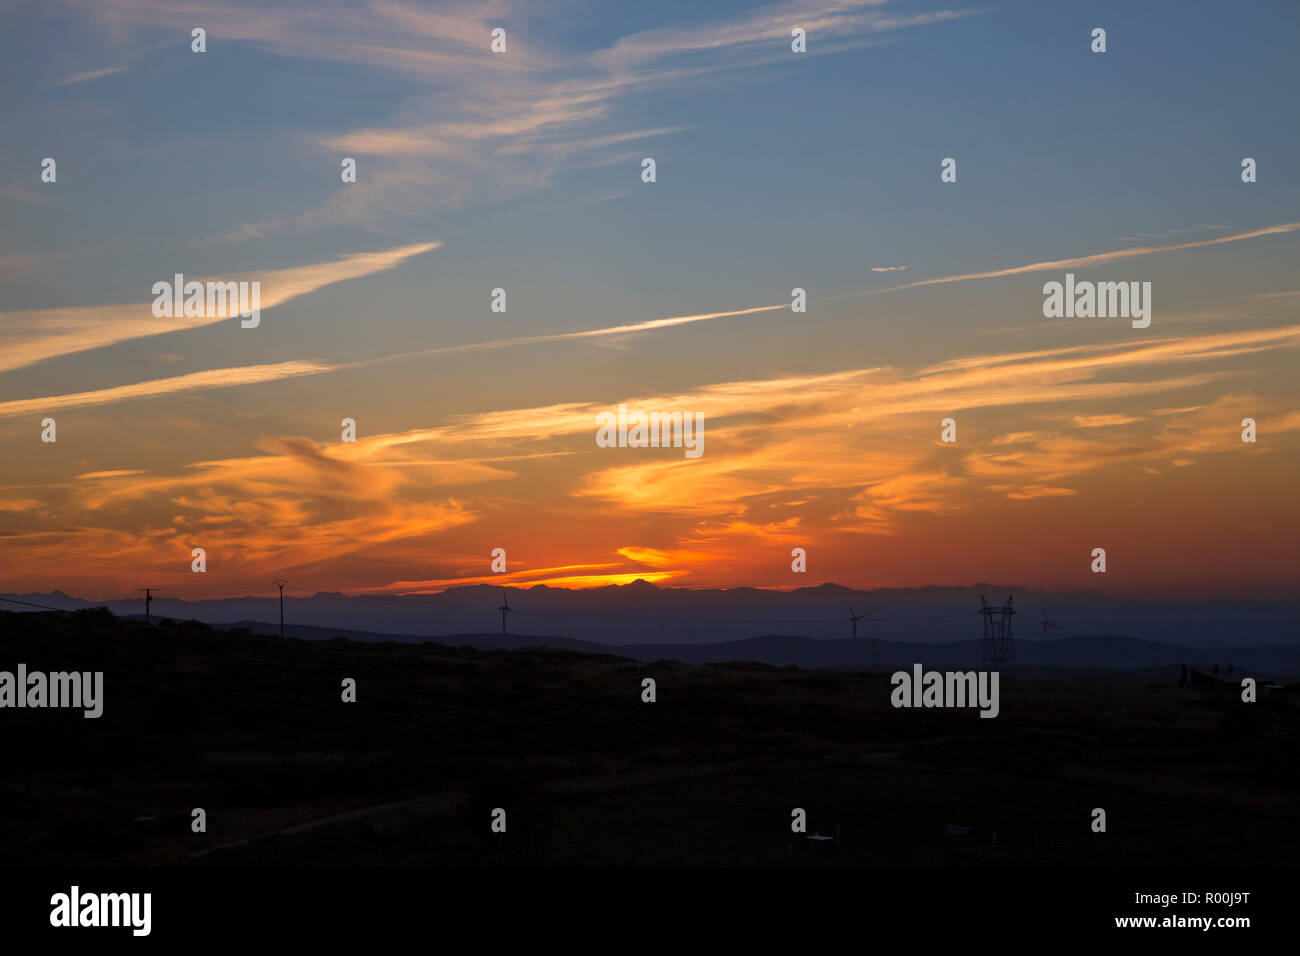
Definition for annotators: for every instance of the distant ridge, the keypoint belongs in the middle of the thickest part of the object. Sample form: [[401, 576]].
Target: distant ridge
[[1096, 652], [642, 613]]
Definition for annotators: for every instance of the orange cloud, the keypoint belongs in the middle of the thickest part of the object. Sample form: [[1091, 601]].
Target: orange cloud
[[789, 461]]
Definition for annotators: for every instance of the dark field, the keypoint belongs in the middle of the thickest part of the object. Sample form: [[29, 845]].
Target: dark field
[[253, 730]]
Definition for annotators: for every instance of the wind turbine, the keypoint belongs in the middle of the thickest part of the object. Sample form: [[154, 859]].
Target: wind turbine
[[280, 583], [504, 609], [1047, 623], [854, 617]]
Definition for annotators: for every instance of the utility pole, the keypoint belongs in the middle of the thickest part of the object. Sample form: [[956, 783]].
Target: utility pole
[[280, 583], [148, 598]]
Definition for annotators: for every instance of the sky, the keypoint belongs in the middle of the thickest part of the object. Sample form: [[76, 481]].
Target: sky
[[522, 170]]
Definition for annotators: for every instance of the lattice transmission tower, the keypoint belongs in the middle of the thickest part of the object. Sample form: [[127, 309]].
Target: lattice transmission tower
[[998, 646]]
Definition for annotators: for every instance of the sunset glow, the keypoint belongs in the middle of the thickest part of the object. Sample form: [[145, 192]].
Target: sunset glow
[[475, 429]]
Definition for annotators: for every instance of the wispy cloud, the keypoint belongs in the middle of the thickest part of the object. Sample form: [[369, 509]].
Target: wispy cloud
[[1067, 361], [1095, 259], [789, 458], [13, 266], [530, 577], [1146, 236], [194, 381], [516, 118], [22, 194], [258, 374], [36, 335], [90, 75], [1104, 421]]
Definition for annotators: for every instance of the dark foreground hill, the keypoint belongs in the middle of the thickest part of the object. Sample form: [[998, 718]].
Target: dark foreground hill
[[253, 730]]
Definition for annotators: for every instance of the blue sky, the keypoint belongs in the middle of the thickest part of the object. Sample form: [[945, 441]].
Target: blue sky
[[775, 170]]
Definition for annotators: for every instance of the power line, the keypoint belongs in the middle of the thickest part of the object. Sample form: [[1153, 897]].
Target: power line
[[63, 610], [318, 591]]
